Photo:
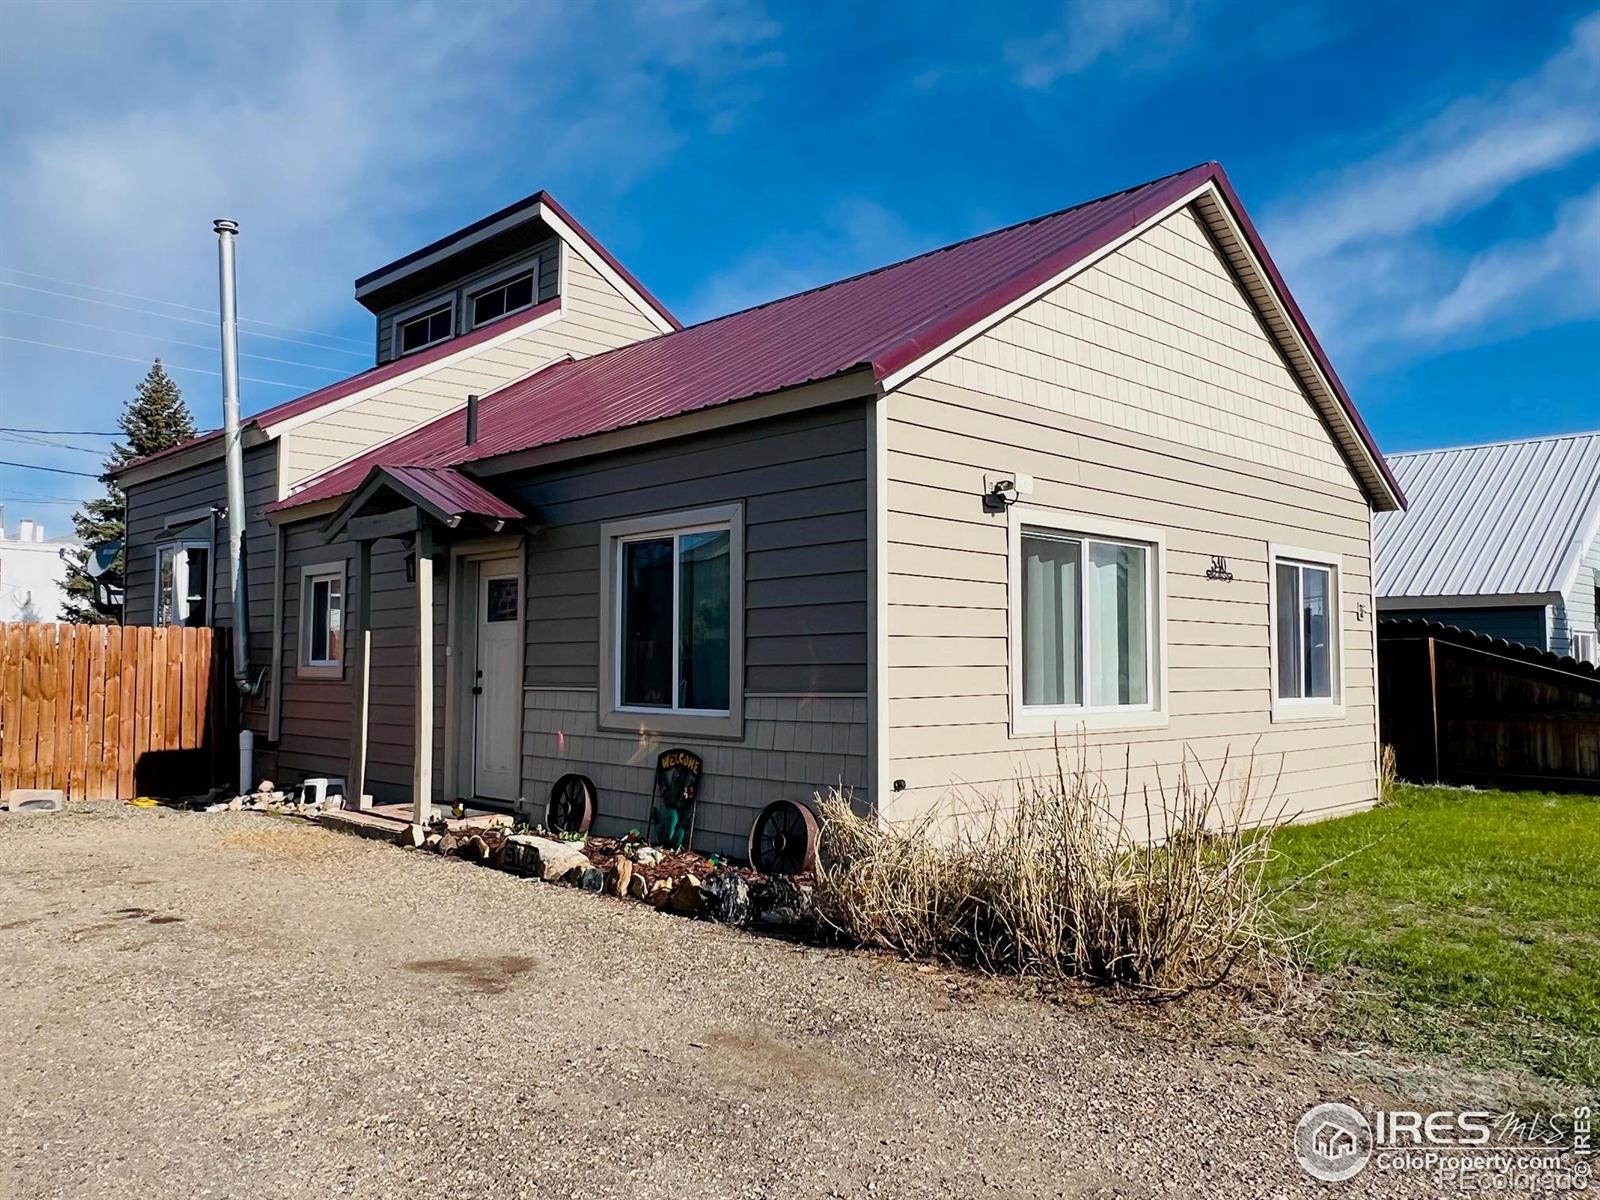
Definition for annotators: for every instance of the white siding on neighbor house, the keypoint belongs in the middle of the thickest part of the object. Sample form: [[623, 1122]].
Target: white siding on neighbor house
[[1576, 611], [1144, 391], [595, 317]]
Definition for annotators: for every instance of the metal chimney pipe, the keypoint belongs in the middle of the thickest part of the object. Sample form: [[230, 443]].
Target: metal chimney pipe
[[472, 419], [233, 454]]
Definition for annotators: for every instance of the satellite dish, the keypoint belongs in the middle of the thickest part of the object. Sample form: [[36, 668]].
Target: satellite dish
[[101, 558]]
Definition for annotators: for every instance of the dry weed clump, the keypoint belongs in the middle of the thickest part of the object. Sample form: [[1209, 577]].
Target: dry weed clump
[[1055, 884]]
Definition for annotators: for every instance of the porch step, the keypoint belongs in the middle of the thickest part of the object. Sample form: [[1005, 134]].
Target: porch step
[[344, 820]]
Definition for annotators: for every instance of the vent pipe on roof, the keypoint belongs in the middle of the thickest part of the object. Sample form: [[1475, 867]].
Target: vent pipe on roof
[[472, 419], [233, 454]]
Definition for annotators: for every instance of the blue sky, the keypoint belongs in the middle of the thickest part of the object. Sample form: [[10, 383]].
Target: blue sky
[[1430, 183]]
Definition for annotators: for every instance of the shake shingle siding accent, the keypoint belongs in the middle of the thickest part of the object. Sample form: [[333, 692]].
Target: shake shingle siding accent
[[1141, 391]]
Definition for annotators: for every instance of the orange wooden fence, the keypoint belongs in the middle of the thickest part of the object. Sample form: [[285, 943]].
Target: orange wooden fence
[[107, 712]]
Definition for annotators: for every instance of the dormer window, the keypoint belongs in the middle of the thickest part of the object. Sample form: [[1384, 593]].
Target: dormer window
[[426, 328], [511, 296]]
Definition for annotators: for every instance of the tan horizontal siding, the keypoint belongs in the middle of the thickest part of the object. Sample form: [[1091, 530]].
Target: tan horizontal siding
[[1142, 392]]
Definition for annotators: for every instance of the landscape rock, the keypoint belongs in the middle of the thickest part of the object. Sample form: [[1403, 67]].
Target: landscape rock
[[659, 893], [266, 786], [687, 896], [647, 856], [589, 878], [638, 886], [412, 836], [619, 876], [431, 842], [727, 898], [448, 842], [235, 804], [543, 858], [476, 848]]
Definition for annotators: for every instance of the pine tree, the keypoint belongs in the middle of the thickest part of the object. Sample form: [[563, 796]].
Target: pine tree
[[155, 419]]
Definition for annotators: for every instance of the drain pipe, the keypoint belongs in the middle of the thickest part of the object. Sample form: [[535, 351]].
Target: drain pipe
[[472, 419], [234, 458]]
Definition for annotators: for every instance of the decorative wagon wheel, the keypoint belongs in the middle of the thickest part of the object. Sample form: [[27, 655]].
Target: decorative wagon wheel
[[783, 841], [571, 805]]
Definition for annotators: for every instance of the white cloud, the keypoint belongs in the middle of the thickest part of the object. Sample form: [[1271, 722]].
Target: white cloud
[[1367, 247], [1090, 30], [338, 134], [852, 236]]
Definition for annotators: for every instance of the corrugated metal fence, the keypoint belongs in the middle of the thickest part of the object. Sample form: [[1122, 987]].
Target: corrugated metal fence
[[105, 712]]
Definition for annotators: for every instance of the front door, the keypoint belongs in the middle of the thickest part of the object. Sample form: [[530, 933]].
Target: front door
[[496, 688]]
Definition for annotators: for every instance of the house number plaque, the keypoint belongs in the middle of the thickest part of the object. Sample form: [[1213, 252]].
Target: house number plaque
[[1218, 569]]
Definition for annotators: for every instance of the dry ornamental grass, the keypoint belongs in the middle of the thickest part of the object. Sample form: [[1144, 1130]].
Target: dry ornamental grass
[[1054, 884]]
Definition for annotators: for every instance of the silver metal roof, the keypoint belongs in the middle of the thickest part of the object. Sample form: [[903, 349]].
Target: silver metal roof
[[1506, 519]]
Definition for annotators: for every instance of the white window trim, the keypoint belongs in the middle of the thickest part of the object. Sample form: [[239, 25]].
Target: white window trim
[[171, 544], [448, 300], [1593, 636], [1313, 708], [612, 713], [528, 266], [305, 668], [1032, 721]]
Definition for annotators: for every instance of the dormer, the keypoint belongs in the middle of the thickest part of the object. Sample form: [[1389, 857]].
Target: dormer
[[528, 254]]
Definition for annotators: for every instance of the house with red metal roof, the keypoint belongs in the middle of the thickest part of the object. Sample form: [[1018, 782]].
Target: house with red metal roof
[[1090, 477]]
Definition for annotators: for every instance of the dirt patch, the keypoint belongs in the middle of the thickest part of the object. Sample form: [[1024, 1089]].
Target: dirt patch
[[487, 976]]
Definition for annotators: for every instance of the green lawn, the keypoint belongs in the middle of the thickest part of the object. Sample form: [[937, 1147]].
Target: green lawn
[[1464, 923]]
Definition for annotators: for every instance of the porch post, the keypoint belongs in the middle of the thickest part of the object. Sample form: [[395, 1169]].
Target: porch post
[[422, 760], [357, 783]]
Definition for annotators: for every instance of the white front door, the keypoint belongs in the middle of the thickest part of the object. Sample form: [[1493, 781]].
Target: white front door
[[496, 689]]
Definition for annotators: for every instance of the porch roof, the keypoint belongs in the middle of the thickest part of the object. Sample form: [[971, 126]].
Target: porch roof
[[441, 492]]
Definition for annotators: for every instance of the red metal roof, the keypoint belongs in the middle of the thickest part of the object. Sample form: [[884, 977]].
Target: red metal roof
[[365, 379], [883, 320], [448, 492]]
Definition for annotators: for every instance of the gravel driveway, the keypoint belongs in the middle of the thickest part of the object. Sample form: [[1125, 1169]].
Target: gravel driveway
[[241, 1006]]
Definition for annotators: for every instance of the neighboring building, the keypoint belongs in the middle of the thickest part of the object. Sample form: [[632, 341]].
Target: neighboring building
[[1091, 473], [33, 575], [1501, 539]]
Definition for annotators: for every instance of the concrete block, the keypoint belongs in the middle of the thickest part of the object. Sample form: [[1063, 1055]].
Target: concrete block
[[36, 800]]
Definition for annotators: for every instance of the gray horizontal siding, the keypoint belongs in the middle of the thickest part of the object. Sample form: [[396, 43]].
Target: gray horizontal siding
[[150, 504], [803, 482], [318, 713]]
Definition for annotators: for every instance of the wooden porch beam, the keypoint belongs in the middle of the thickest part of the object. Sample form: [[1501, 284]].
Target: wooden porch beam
[[422, 753]]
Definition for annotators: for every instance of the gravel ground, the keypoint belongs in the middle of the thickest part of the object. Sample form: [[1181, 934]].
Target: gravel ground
[[235, 1005]]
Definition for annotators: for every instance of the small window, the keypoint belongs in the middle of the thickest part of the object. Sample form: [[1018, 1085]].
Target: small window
[[322, 621], [1305, 624], [1584, 648], [508, 297], [424, 329], [1088, 619], [183, 583], [674, 622]]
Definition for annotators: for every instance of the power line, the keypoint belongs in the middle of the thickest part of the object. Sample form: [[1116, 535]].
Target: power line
[[176, 304], [26, 440], [63, 432], [293, 387], [288, 362], [52, 470], [174, 317]]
